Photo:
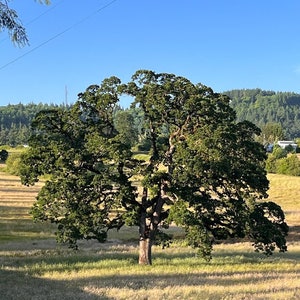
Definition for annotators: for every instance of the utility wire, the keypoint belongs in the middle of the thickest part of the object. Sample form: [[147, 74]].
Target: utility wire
[[44, 13], [58, 35]]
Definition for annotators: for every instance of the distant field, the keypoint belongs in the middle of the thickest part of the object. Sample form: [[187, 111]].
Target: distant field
[[285, 191], [32, 266]]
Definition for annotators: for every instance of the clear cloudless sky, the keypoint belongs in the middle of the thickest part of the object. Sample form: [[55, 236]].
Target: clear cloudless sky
[[224, 44]]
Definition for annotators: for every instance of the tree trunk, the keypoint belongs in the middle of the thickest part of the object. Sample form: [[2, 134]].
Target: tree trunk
[[145, 257], [145, 238]]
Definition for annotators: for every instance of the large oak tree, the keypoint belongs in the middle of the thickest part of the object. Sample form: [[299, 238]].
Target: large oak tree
[[208, 177]]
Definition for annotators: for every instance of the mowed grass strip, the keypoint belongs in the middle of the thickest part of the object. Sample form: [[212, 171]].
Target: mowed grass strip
[[15, 203], [32, 266]]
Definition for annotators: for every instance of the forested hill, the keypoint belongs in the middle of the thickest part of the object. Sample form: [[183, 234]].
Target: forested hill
[[262, 107], [15, 122], [255, 105]]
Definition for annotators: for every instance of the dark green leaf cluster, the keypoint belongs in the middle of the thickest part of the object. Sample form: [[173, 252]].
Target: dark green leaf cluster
[[267, 227], [3, 155]]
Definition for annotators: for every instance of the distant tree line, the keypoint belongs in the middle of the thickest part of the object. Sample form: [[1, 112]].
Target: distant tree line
[[15, 124], [15, 121], [277, 114]]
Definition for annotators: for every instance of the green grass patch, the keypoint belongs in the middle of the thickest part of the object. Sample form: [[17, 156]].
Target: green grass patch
[[142, 156]]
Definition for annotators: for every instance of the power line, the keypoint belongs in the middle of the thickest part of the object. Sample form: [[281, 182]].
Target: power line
[[58, 34], [44, 13]]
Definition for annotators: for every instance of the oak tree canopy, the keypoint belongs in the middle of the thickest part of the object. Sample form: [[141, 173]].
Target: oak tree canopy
[[207, 177]]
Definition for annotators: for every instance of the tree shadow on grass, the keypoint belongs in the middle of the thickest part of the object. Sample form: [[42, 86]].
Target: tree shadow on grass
[[18, 280], [16, 285], [294, 234]]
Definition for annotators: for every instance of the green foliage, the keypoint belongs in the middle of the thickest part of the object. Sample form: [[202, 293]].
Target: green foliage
[[283, 161], [124, 123], [13, 163], [271, 162], [196, 234], [267, 228], [276, 113], [206, 172], [9, 21], [16, 119], [3, 155], [271, 132], [144, 145], [289, 165], [163, 239], [279, 152], [84, 154], [198, 237]]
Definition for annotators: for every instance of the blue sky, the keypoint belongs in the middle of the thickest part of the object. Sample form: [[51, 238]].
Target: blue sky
[[224, 44]]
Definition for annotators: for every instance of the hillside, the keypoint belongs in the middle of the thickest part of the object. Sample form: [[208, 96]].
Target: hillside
[[262, 107], [255, 105]]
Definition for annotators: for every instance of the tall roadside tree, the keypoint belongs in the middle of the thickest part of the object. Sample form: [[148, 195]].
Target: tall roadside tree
[[9, 20], [208, 178]]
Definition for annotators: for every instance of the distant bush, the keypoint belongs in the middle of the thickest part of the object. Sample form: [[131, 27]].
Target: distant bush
[[13, 163], [286, 165], [289, 165], [278, 152]]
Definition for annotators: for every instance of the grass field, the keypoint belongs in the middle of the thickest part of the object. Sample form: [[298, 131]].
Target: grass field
[[34, 267]]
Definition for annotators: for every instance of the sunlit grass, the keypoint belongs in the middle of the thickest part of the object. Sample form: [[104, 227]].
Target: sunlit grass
[[285, 191], [235, 272], [33, 266], [15, 203]]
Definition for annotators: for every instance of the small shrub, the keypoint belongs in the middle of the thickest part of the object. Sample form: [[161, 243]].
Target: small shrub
[[3, 155]]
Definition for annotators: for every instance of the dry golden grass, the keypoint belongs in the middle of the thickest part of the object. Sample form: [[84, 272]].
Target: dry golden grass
[[32, 266], [15, 203], [285, 191], [112, 273]]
